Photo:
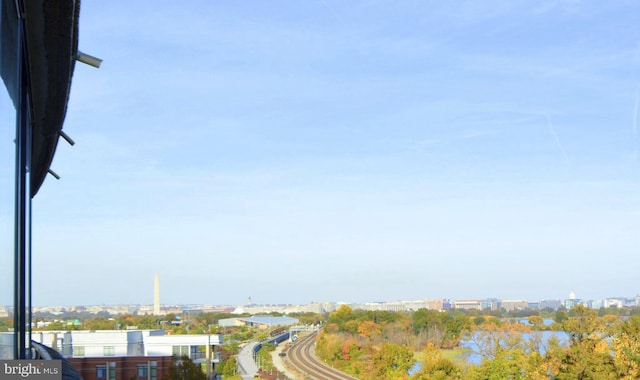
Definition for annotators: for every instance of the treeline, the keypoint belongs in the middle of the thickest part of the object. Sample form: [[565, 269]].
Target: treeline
[[387, 345], [197, 323]]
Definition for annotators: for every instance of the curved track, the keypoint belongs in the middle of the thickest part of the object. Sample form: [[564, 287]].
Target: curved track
[[304, 362]]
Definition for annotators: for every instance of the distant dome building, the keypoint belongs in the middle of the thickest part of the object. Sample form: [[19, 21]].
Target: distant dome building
[[572, 301]]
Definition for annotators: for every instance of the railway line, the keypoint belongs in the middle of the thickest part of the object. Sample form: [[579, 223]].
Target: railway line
[[304, 362]]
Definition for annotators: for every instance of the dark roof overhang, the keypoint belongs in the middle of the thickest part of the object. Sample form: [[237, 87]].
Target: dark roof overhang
[[51, 39], [48, 353], [52, 43]]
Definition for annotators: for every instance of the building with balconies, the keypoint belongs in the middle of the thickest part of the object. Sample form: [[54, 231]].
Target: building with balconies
[[123, 354]]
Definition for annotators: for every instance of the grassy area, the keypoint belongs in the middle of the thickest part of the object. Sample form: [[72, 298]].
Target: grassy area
[[264, 355], [456, 355]]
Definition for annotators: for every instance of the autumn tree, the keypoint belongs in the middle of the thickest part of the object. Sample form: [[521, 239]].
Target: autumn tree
[[393, 362], [626, 348], [329, 347], [537, 322], [341, 316], [588, 355], [436, 367], [367, 329]]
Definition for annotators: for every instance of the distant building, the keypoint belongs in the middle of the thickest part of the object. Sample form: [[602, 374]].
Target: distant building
[[439, 304], [319, 307], [380, 306], [549, 304], [513, 305], [491, 304], [613, 302], [467, 304], [146, 310], [572, 302], [262, 322]]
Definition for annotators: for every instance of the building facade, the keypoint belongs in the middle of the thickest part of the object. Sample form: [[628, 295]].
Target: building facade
[[127, 354], [122, 368]]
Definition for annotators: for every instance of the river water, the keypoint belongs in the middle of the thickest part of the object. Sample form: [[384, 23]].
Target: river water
[[473, 355]]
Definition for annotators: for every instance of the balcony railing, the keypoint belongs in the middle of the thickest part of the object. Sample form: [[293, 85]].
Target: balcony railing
[[215, 356]]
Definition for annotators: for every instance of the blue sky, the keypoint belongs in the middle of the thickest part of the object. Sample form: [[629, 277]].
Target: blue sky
[[298, 151]]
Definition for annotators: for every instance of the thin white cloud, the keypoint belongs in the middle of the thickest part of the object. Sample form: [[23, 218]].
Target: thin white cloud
[[556, 139]]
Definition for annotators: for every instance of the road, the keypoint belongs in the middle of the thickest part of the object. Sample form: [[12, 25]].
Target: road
[[247, 367], [302, 360]]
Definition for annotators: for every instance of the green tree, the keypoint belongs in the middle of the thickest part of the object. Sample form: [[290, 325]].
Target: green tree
[[228, 366], [148, 322], [479, 320], [456, 325], [308, 318], [561, 316], [424, 319], [588, 356], [184, 369], [508, 363], [5, 324], [100, 324]]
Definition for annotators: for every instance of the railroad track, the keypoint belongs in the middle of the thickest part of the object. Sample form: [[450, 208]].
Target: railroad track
[[303, 361]]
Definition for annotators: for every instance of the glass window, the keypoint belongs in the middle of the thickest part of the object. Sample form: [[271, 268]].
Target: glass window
[[101, 372], [143, 370], [154, 370], [181, 351], [112, 370], [109, 351], [7, 161], [78, 351]]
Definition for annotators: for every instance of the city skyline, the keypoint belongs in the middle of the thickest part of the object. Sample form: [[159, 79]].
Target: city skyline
[[319, 150], [154, 307]]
